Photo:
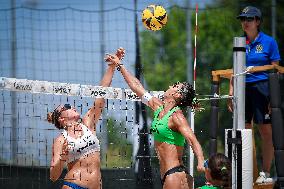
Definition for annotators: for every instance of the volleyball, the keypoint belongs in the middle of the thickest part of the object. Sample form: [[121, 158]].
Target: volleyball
[[154, 17]]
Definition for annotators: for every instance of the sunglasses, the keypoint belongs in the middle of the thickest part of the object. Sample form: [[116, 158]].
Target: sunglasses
[[206, 164], [248, 19], [66, 107], [57, 114]]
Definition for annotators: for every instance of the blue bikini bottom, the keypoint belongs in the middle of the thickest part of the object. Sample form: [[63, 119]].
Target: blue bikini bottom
[[73, 185]]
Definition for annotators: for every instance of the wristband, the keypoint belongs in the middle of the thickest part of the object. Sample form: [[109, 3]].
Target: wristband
[[146, 98], [118, 67]]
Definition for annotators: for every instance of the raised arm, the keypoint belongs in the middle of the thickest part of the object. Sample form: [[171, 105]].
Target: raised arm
[[94, 113], [134, 84]]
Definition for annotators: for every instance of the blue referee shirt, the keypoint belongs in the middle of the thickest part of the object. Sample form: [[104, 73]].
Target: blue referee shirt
[[262, 51]]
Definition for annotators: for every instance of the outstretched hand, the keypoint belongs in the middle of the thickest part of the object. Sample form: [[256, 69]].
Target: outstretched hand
[[120, 52], [115, 58], [112, 59]]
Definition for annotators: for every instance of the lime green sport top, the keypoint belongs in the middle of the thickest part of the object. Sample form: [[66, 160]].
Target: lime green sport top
[[161, 130], [209, 187]]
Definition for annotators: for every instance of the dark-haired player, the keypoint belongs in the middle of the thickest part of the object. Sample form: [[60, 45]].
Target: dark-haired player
[[170, 128]]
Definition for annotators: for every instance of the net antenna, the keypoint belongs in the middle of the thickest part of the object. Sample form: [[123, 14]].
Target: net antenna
[[192, 114]]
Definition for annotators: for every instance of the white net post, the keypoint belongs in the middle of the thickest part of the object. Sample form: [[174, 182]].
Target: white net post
[[239, 148], [240, 180], [239, 82]]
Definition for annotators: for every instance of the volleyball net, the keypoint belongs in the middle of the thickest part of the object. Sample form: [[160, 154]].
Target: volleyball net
[[55, 56], [59, 46]]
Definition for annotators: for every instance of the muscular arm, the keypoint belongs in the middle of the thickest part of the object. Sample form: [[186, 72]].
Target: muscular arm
[[94, 113], [134, 84], [182, 126]]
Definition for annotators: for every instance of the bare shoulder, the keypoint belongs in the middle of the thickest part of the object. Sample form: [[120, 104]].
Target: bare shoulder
[[59, 140], [179, 121], [178, 116], [155, 103]]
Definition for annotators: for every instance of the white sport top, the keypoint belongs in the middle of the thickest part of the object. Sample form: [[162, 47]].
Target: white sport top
[[82, 146]]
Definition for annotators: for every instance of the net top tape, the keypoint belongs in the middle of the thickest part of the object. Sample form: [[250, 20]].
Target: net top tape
[[69, 89]]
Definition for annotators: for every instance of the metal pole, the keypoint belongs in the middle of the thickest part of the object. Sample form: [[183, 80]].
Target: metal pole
[[239, 82], [102, 55], [239, 58], [137, 62], [102, 36], [14, 131], [189, 72], [273, 18], [32, 4]]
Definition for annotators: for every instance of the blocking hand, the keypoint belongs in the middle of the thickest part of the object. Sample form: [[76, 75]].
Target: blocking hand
[[115, 58]]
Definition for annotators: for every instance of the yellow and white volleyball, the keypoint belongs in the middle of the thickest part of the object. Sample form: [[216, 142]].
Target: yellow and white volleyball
[[154, 17]]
